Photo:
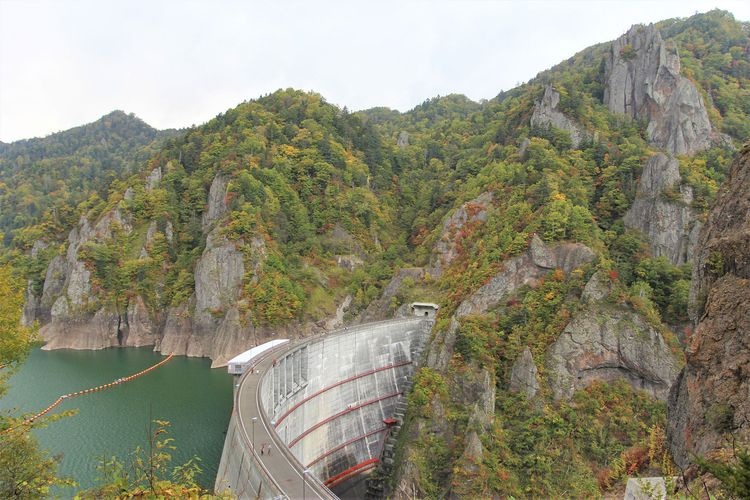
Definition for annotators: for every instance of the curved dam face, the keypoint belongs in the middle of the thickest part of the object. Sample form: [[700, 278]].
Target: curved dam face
[[328, 403]]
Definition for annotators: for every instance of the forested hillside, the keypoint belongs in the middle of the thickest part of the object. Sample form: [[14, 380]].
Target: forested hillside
[[554, 224], [45, 179]]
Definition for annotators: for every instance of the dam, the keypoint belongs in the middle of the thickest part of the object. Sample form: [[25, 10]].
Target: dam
[[311, 418]]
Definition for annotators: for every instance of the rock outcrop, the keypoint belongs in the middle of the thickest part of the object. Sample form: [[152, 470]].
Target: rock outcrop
[[349, 262], [32, 308], [215, 327], [217, 204], [546, 114], [448, 244], [711, 398], [523, 270], [524, 376], [608, 343], [141, 329], [76, 320], [153, 179], [643, 81], [338, 320], [662, 210], [403, 139]]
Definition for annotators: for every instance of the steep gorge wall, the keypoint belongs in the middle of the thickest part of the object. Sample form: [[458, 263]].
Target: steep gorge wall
[[670, 225], [711, 399], [643, 81], [213, 322]]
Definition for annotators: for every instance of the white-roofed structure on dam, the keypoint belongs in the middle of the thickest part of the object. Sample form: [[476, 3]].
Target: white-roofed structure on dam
[[238, 364]]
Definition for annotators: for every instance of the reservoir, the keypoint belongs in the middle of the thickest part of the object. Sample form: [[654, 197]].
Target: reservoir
[[195, 399]]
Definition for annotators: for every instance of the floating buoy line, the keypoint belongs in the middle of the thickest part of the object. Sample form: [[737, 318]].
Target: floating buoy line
[[98, 388]]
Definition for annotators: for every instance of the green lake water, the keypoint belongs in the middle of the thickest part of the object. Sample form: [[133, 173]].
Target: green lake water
[[186, 391]]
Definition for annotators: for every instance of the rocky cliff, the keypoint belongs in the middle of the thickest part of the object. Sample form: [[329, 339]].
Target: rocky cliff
[[605, 341], [711, 399], [643, 81], [546, 114], [662, 210], [77, 320], [214, 322], [608, 343]]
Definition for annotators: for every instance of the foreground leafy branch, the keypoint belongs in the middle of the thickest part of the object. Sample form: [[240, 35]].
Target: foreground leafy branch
[[148, 473]]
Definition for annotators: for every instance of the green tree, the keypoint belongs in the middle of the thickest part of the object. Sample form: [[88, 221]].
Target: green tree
[[148, 473], [734, 474], [25, 470]]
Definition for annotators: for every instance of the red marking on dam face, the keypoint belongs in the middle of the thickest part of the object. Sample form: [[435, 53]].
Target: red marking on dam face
[[340, 414], [347, 443], [351, 471], [337, 384]]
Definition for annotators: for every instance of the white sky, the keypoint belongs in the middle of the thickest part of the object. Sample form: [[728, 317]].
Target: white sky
[[175, 63]]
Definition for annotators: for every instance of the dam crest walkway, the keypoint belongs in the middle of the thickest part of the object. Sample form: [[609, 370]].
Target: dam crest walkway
[[313, 416]]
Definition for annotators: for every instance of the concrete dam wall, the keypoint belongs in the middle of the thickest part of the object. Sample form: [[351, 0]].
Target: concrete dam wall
[[327, 404]]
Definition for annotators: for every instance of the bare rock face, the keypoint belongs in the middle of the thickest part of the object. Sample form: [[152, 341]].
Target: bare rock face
[[669, 224], [77, 281], [441, 346], [217, 205], [478, 389], [546, 114], [54, 282], [349, 262], [524, 376], [229, 339], [218, 276], [523, 270], [73, 331], [67, 290], [142, 330], [643, 81], [473, 452], [338, 320], [724, 241], [153, 179], [712, 396], [607, 343], [403, 139], [178, 329], [597, 288], [446, 249], [218, 284], [32, 307], [169, 231]]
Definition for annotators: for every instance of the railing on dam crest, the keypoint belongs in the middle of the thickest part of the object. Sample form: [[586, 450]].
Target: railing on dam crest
[[315, 414]]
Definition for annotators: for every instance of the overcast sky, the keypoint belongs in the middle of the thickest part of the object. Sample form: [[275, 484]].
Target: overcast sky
[[174, 63]]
